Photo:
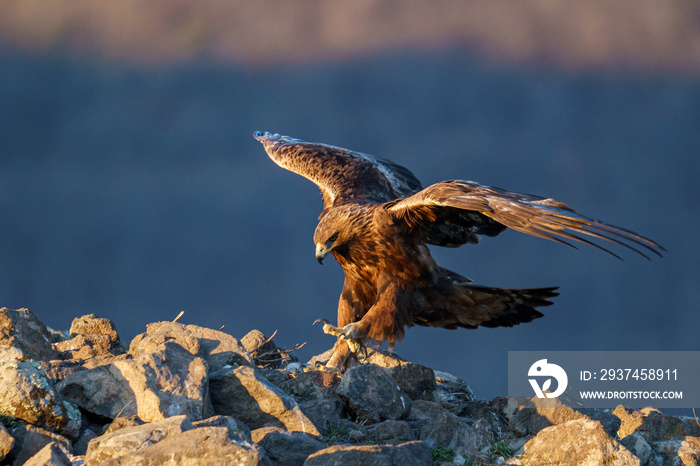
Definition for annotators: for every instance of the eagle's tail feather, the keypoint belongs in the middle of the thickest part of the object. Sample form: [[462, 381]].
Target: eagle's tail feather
[[471, 306]]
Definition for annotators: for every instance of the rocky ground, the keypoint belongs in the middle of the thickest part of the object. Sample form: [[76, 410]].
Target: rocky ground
[[183, 394]]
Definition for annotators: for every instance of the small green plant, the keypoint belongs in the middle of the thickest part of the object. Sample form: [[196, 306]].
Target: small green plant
[[501, 448], [442, 455], [334, 431]]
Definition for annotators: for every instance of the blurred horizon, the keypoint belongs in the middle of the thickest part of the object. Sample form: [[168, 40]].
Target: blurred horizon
[[133, 188]]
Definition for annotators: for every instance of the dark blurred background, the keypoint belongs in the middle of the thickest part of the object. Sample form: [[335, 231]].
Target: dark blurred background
[[131, 186]]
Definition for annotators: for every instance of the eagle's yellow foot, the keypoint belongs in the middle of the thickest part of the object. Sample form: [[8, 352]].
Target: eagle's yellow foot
[[349, 333]]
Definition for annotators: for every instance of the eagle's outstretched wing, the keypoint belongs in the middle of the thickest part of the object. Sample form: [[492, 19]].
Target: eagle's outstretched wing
[[451, 213], [341, 174]]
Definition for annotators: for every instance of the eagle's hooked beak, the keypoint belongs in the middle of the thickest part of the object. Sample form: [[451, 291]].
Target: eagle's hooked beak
[[322, 251]]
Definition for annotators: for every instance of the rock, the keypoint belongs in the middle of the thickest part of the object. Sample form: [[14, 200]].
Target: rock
[[452, 393], [311, 385], [245, 394], [50, 455], [324, 412], [610, 422], [417, 381], [84, 347], [165, 382], [276, 377], [265, 353], [425, 411], [103, 390], [59, 369], [81, 444], [206, 445], [405, 454], [27, 394], [389, 432], [654, 425], [530, 415], [21, 329], [92, 325], [102, 360], [6, 442], [215, 347], [581, 442], [679, 451], [288, 448], [236, 429], [90, 336], [130, 440], [451, 432], [372, 395], [122, 422], [638, 445], [31, 440]]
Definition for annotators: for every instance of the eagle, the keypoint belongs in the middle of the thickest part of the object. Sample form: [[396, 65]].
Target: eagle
[[378, 221]]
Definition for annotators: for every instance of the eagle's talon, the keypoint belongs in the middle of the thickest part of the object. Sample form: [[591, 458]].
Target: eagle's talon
[[349, 333]]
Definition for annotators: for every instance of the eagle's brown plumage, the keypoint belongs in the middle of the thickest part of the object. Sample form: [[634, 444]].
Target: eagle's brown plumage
[[377, 221]]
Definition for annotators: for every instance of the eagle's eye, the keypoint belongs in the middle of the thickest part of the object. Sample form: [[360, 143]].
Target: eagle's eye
[[333, 237]]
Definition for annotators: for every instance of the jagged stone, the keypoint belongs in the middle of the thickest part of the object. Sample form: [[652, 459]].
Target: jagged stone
[[324, 411], [265, 353], [104, 391], [165, 382], [638, 445], [236, 429], [452, 393], [582, 442], [21, 329], [389, 432], [102, 360], [7, 441], [311, 385], [81, 444], [84, 347], [26, 393], [654, 425], [50, 455], [417, 381], [530, 415], [31, 439], [372, 395], [423, 410], [206, 445], [630, 419], [288, 448], [245, 394], [276, 377], [406, 454], [449, 431], [132, 439], [610, 422], [679, 451], [92, 325], [122, 422], [215, 347], [59, 369]]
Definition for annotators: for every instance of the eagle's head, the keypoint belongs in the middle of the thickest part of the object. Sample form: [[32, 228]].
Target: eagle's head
[[338, 228]]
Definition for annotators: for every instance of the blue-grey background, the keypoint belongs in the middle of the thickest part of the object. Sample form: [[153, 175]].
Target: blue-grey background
[[134, 189]]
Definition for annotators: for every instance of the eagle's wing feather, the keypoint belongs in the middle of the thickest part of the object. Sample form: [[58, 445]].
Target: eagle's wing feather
[[454, 212], [341, 174]]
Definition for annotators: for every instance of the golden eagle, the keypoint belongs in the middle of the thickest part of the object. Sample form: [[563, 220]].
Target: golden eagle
[[378, 220]]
